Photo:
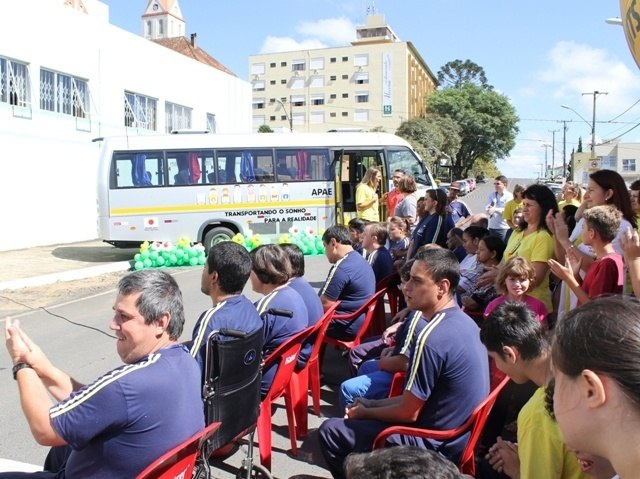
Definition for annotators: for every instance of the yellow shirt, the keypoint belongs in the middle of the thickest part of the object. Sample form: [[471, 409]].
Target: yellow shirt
[[537, 247], [540, 448], [364, 194], [509, 208], [562, 204]]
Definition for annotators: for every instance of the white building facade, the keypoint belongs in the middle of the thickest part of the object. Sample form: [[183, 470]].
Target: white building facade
[[67, 77], [618, 156]]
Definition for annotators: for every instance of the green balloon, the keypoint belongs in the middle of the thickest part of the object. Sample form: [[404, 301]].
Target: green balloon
[[153, 255], [201, 260], [137, 257], [173, 259], [138, 265], [193, 261], [160, 261], [147, 263], [180, 261], [144, 255]]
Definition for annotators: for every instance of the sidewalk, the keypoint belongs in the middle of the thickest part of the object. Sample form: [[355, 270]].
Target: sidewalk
[[47, 264]]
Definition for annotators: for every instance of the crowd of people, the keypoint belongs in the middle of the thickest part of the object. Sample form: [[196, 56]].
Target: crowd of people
[[531, 288]]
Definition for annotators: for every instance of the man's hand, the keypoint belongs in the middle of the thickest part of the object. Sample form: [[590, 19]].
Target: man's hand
[[21, 348], [357, 409]]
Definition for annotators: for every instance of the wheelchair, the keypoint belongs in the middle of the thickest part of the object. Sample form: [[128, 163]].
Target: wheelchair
[[231, 395]]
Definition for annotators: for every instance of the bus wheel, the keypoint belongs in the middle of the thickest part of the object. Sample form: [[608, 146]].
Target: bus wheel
[[217, 235]]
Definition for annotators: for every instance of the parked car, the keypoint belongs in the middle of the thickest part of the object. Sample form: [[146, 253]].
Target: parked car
[[480, 178], [472, 183]]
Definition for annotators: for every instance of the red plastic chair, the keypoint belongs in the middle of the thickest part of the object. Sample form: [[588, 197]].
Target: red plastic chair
[[474, 424], [180, 461], [397, 384], [286, 355], [390, 284], [309, 376], [368, 308]]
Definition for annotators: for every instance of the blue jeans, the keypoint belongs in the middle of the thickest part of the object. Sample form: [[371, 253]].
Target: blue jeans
[[370, 383]]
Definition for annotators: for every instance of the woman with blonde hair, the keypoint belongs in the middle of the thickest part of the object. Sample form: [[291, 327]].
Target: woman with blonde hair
[[367, 197], [571, 195]]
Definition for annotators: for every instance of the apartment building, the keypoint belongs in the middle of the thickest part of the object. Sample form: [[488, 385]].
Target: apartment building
[[67, 77], [377, 82]]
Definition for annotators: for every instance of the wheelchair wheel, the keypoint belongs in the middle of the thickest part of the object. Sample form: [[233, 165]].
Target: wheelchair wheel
[[257, 472]]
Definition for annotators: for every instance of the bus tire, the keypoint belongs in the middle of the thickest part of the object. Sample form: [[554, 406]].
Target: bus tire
[[216, 235]]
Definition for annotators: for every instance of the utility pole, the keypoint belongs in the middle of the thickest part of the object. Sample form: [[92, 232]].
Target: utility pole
[[546, 165], [595, 94], [564, 147], [553, 152]]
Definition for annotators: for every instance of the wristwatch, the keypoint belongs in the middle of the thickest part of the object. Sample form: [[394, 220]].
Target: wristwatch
[[18, 367]]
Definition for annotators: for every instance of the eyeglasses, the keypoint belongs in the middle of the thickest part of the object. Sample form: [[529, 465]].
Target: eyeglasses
[[497, 184]]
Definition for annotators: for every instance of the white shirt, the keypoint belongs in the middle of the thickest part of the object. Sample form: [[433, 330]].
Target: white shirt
[[498, 200]]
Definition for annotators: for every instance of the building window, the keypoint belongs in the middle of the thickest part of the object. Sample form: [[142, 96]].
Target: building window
[[345, 95], [283, 117], [332, 78], [212, 126], [362, 97], [298, 119], [63, 94], [258, 104], [332, 60], [629, 165], [345, 59], [283, 82], [15, 87], [332, 114], [361, 60], [272, 82], [160, 27], [139, 111], [283, 64], [257, 69], [177, 117], [361, 115], [316, 82], [345, 77], [298, 66], [316, 64], [316, 117], [272, 118], [345, 113], [258, 85], [297, 83], [317, 99], [332, 96], [361, 78], [272, 65], [148, 23], [258, 121], [298, 100]]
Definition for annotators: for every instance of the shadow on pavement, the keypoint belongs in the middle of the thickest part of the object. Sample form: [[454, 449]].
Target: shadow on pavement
[[95, 254]]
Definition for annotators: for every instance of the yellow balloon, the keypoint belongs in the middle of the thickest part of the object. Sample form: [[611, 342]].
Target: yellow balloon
[[630, 14]]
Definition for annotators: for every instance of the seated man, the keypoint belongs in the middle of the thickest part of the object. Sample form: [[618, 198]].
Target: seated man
[[350, 280], [519, 344], [448, 372], [378, 256], [270, 274], [308, 295], [224, 275], [122, 422]]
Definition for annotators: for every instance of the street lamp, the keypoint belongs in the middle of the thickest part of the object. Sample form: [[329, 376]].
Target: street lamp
[[592, 124], [288, 114]]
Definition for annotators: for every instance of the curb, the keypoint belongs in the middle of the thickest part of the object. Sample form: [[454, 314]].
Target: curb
[[66, 275]]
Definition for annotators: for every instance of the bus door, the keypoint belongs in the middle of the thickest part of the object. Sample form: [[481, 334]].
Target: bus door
[[350, 167]]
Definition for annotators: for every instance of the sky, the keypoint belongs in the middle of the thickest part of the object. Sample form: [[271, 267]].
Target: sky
[[541, 54]]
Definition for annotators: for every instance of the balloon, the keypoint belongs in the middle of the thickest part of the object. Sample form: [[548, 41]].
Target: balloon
[[160, 261], [173, 259], [137, 257], [147, 263], [145, 254], [193, 261], [202, 260], [138, 265]]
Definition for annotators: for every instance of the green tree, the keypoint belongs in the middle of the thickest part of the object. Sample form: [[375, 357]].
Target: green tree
[[458, 73], [264, 128], [431, 136], [487, 123]]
